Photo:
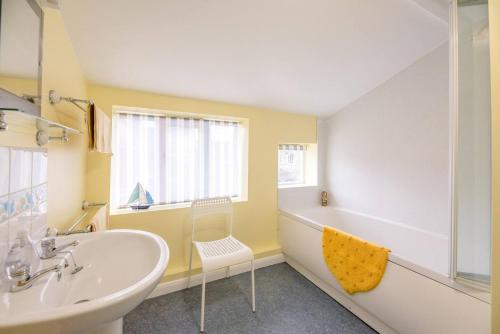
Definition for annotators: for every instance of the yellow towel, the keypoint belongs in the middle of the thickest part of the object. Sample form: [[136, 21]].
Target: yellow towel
[[357, 264]]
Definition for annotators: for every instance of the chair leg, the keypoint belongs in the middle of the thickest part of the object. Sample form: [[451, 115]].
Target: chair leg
[[253, 288], [190, 264], [202, 317]]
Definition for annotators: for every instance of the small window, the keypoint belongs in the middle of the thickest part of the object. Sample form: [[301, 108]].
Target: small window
[[291, 164]]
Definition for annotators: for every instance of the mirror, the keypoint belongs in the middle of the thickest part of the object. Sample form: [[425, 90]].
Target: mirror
[[20, 60]]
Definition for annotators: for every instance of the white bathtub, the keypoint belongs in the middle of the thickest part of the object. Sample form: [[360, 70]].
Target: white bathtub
[[415, 294]]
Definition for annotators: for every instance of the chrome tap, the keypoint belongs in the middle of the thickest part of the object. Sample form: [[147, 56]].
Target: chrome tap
[[76, 268], [49, 249], [22, 279]]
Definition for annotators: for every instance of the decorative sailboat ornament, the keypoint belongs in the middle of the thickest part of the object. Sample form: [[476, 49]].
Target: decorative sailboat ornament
[[140, 199]]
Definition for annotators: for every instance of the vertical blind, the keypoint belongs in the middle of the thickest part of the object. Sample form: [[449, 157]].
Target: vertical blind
[[176, 159], [292, 147]]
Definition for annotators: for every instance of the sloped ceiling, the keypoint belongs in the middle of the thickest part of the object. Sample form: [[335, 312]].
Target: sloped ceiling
[[313, 56]]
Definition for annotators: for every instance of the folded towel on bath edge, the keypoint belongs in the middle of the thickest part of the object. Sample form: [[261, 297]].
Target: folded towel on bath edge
[[358, 265]]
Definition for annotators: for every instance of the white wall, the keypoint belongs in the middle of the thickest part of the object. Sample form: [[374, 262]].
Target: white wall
[[388, 152]]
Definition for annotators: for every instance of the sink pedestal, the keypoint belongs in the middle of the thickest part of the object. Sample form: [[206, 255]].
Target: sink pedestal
[[114, 327]]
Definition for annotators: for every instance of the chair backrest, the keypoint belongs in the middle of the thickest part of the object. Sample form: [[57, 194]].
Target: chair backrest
[[211, 206]]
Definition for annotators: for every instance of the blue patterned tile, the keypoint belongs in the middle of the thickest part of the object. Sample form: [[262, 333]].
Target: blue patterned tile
[[21, 203], [5, 209], [40, 198], [24, 207]]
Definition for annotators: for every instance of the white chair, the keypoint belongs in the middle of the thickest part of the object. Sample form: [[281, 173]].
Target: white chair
[[217, 254]]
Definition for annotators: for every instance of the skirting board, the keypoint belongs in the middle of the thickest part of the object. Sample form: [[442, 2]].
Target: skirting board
[[180, 284], [361, 313]]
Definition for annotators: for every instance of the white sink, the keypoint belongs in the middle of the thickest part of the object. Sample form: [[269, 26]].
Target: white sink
[[121, 268]]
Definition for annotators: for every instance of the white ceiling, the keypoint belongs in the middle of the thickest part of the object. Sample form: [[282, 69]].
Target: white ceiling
[[305, 56]]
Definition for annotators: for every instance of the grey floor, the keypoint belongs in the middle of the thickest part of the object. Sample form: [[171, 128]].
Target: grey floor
[[286, 303]]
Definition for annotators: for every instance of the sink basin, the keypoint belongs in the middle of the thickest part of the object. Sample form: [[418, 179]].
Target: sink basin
[[120, 269]]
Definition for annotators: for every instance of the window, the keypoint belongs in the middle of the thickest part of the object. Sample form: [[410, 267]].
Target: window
[[291, 164], [176, 159]]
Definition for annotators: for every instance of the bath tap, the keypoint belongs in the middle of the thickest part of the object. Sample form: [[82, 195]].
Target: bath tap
[[22, 279], [53, 232]]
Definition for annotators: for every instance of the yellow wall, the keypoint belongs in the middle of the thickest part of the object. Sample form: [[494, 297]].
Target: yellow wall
[[75, 175], [255, 220], [19, 86], [494, 10], [67, 162]]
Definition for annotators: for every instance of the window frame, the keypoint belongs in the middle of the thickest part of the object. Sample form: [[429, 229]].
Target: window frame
[[303, 182], [245, 124]]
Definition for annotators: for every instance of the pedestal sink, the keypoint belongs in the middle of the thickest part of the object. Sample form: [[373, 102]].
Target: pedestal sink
[[120, 269]]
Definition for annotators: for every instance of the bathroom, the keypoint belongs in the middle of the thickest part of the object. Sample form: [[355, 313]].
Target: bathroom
[[198, 166]]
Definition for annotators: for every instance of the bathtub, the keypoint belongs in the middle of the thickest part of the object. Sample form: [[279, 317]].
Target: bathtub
[[415, 295]]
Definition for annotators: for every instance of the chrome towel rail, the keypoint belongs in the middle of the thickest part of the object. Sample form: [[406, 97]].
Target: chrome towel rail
[[56, 98], [87, 204]]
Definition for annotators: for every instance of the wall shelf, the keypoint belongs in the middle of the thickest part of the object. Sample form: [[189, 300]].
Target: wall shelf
[[44, 129]]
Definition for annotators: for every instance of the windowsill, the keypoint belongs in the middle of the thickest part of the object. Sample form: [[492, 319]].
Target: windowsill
[[288, 186], [164, 207]]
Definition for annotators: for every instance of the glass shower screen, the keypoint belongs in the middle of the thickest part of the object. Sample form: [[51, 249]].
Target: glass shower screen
[[472, 160]]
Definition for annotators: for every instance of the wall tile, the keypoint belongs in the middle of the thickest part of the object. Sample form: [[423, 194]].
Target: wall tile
[[20, 169], [23, 205], [5, 209], [40, 160], [40, 198], [19, 223], [38, 226], [39, 212], [4, 248], [20, 217], [4, 170]]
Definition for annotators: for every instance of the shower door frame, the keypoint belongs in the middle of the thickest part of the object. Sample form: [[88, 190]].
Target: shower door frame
[[454, 112]]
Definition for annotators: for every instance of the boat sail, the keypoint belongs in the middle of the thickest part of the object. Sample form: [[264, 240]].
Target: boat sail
[[140, 198]]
